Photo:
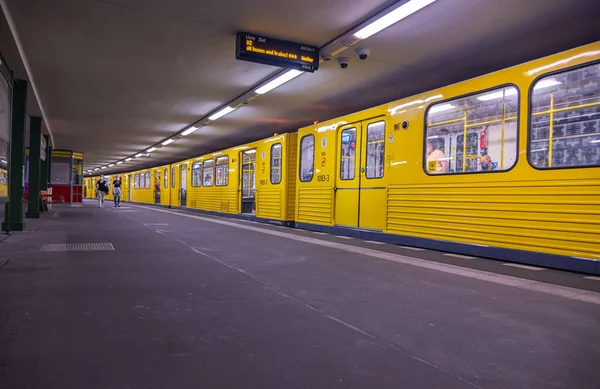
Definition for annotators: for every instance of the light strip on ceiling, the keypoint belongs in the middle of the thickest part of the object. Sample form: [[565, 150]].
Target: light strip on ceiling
[[285, 77], [96, 169], [103, 167], [393, 17], [140, 155], [189, 131], [168, 142], [221, 113], [120, 162], [128, 159], [151, 149], [111, 165]]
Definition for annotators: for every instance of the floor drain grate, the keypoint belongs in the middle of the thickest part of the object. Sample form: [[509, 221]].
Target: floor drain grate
[[61, 247]]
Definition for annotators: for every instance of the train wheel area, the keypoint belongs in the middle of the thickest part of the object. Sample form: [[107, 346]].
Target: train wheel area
[[227, 303]]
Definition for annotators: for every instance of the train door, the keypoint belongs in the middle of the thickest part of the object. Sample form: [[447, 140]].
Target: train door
[[129, 188], [157, 183], [248, 170], [183, 188], [360, 192]]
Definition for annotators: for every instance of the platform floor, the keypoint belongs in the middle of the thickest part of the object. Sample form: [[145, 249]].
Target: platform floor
[[189, 301]]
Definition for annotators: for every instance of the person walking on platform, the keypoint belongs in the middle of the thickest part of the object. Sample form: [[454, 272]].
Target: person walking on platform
[[117, 191], [101, 190]]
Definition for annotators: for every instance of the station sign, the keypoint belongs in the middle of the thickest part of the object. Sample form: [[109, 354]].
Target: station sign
[[276, 52]]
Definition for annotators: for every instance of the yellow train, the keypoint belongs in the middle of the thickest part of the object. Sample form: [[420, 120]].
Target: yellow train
[[505, 166]]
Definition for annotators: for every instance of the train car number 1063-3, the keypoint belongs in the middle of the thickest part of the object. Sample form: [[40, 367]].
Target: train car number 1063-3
[[323, 178]]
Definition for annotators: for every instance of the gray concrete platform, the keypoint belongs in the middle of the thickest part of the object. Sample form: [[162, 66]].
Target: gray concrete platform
[[186, 301]]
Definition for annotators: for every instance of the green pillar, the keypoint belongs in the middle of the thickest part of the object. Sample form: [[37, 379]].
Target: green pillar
[[13, 218], [35, 143]]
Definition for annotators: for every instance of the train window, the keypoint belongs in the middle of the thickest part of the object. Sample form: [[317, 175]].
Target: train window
[[173, 180], [375, 149], [197, 174], [208, 172], [348, 154], [307, 158], [142, 181], [276, 163], [147, 180], [565, 119], [157, 180], [136, 181], [476, 133], [166, 178], [222, 171]]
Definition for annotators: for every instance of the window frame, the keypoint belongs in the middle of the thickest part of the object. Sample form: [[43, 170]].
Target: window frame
[[199, 163], [271, 164], [465, 95], [215, 170], [300, 157], [530, 113], [212, 180], [367, 145], [339, 150]]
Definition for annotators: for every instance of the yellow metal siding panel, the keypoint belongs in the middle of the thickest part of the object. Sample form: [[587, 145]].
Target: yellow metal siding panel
[[291, 160], [315, 205], [268, 203], [557, 217]]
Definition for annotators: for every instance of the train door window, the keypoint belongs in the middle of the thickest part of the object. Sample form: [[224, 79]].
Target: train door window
[[565, 119], [222, 171], [166, 178], [197, 174], [136, 181], [474, 133], [348, 154], [147, 180], [173, 179], [208, 172], [142, 181], [307, 158], [375, 149], [276, 163]]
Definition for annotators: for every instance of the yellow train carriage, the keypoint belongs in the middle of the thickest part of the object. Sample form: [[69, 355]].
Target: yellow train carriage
[[3, 183], [89, 187], [505, 166], [255, 180]]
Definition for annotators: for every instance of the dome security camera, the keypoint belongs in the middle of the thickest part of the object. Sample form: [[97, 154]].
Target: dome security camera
[[363, 53], [343, 61]]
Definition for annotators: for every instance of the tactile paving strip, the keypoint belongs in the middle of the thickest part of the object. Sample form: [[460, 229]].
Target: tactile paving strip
[[62, 247]]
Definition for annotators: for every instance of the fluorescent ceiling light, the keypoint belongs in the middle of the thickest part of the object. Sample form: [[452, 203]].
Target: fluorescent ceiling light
[[189, 131], [96, 169], [103, 167], [128, 159], [120, 162], [3, 160], [498, 94], [168, 142], [139, 155], [111, 165], [285, 77], [395, 16], [595, 141], [221, 113], [151, 149], [440, 108], [546, 83]]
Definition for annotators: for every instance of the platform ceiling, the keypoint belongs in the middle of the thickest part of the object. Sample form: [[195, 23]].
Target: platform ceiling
[[114, 77]]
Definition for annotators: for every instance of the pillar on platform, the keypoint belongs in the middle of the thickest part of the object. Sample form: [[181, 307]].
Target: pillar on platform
[[35, 154]]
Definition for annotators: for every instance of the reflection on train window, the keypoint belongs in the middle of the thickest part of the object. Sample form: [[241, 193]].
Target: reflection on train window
[[276, 163], [136, 181], [173, 180], [375, 149], [477, 133], [166, 178], [147, 180], [142, 181], [348, 154], [307, 158], [196, 174], [565, 119], [208, 172], [222, 171]]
